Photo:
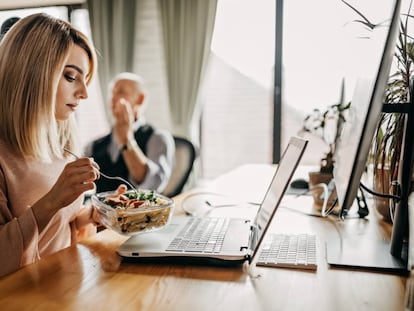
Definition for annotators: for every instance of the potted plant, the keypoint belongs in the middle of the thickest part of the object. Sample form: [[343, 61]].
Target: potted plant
[[386, 149], [325, 124]]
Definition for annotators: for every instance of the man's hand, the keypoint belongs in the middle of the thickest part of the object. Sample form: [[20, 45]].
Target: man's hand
[[124, 119]]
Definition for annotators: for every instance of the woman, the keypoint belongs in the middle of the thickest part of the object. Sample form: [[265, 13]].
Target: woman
[[45, 66]]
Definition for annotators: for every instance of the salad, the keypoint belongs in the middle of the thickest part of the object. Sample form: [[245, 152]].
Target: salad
[[134, 211]]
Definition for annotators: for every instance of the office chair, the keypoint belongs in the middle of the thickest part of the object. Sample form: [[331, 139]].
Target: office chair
[[185, 155]]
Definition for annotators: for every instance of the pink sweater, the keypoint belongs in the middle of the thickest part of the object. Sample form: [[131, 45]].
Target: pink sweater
[[22, 183]]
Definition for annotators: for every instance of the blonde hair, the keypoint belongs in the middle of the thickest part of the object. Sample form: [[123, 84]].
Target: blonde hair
[[32, 56]]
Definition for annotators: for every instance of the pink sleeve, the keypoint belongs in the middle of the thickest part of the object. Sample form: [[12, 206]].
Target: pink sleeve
[[18, 236], [18, 240]]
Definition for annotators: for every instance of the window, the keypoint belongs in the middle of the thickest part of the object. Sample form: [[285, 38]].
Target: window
[[238, 110], [58, 11], [314, 55]]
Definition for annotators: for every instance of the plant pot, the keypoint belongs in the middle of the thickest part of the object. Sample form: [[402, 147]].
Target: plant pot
[[316, 178], [381, 184]]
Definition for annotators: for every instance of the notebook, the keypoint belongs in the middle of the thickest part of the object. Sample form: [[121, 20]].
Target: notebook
[[231, 241]]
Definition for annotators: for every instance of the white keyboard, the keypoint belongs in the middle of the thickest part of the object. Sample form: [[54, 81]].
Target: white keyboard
[[289, 251], [201, 235]]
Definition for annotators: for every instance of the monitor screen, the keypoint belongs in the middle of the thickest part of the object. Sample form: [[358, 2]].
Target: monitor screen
[[355, 140]]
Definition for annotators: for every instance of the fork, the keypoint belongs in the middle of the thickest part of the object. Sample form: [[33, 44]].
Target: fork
[[104, 175]]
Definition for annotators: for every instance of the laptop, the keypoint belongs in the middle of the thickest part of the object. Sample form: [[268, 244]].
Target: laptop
[[233, 241]]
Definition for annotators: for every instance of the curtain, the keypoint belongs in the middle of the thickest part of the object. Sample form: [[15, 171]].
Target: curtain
[[113, 28], [187, 27]]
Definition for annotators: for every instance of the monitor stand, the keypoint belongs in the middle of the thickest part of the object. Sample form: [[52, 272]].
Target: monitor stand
[[363, 253], [367, 253]]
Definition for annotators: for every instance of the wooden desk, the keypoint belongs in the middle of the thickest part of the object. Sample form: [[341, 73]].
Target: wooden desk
[[91, 276]]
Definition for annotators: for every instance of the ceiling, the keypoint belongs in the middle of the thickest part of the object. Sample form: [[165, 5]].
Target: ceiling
[[18, 4]]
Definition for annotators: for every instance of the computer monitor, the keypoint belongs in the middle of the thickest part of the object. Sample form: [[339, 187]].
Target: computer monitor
[[355, 141]]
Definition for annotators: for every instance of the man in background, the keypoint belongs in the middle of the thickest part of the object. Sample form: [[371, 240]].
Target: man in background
[[134, 150]]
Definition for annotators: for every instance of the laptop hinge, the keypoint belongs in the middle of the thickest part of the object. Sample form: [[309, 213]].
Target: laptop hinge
[[252, 238]]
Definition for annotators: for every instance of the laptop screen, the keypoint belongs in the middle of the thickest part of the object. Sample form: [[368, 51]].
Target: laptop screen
[[281, 179]]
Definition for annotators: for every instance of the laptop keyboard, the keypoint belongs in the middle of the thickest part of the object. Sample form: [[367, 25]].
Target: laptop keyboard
[[201, 235], [289, 251]]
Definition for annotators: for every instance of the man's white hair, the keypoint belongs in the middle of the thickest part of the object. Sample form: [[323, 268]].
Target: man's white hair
[[139, 81], [130, 76]]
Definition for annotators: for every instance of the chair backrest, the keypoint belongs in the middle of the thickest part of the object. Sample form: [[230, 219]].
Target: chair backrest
[[185, 155]]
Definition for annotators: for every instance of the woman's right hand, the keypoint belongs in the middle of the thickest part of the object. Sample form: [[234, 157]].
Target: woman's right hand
[[76, 178]]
